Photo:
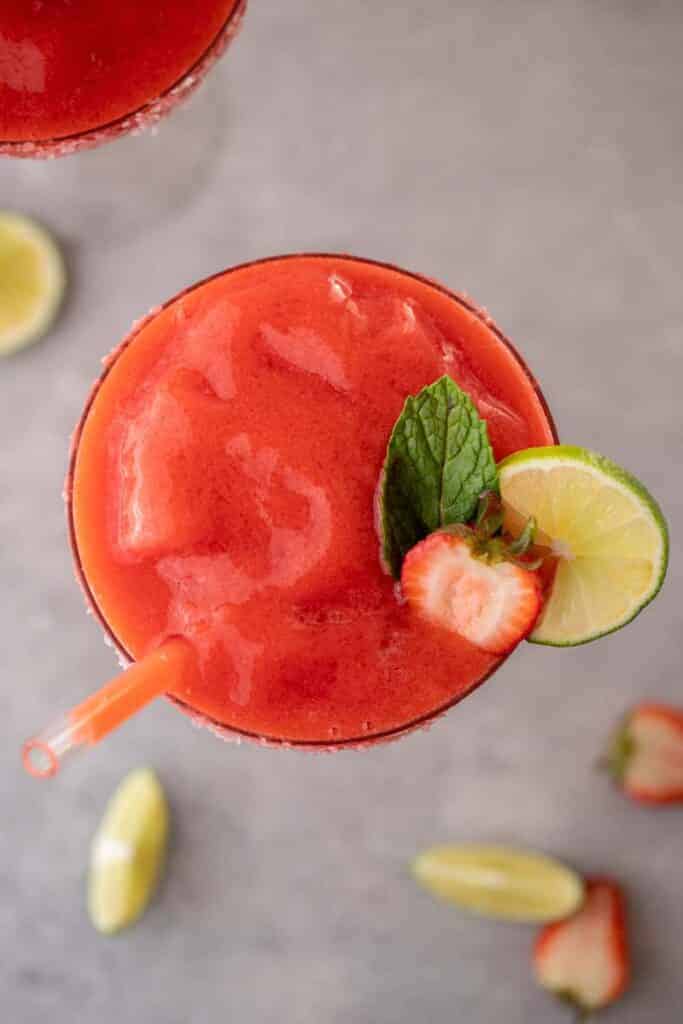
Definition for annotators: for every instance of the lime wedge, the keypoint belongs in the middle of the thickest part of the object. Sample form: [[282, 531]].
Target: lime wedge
[[127, 853], [608, 531], [32, 281], [500, 882]]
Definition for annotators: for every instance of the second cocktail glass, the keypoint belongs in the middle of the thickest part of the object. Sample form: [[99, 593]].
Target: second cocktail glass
[[75, 75]]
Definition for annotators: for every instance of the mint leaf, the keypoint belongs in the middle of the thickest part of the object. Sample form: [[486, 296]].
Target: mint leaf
[[438, 462]]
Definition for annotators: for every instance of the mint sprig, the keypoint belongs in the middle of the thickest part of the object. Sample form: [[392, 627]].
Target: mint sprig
[[439, 461]]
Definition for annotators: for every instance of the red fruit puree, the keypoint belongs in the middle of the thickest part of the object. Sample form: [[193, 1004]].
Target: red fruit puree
[[67, 66], [224, 481]]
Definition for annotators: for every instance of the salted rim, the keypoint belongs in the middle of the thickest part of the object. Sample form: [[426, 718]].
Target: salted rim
[[219, 729], [142, 117]]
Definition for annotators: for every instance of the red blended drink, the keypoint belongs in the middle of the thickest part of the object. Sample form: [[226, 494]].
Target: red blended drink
[[223, 493], [75, 73]]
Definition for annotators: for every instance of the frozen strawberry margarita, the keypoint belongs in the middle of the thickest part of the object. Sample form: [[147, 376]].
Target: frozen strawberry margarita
[[74, 73], [223, 490]]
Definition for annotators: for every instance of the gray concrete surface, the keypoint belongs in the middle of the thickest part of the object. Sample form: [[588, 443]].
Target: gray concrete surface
[[529, 153]]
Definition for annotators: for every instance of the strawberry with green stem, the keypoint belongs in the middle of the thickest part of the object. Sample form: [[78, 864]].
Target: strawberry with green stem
[[645, 755], [475, 582]]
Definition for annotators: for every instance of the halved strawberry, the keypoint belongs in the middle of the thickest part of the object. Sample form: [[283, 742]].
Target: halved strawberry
[[645, 756], [451, 580], [584, 960]]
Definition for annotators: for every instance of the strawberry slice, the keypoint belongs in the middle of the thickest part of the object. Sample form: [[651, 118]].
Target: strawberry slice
[[645, 756], [452, 581], [584, 960]]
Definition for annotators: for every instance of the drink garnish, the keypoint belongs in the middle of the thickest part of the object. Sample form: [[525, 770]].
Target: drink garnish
[[604, 530], [438, 463], [600, 532], [474, 583]]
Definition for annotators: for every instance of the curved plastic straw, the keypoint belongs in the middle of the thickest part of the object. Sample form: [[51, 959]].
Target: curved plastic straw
[[86, 724]]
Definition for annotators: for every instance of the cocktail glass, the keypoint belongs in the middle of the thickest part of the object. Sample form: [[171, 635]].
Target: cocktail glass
[[134, 121], [42, 753]]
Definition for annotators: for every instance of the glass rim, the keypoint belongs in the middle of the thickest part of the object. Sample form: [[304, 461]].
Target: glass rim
[[220, 729], [140, 117]]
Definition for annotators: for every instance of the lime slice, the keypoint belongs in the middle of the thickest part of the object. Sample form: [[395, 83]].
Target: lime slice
[[127, 853], [500, 882], [32, 281], [607, 529]]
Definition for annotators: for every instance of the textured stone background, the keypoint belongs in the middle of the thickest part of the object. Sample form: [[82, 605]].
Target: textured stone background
[[529, 153]]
